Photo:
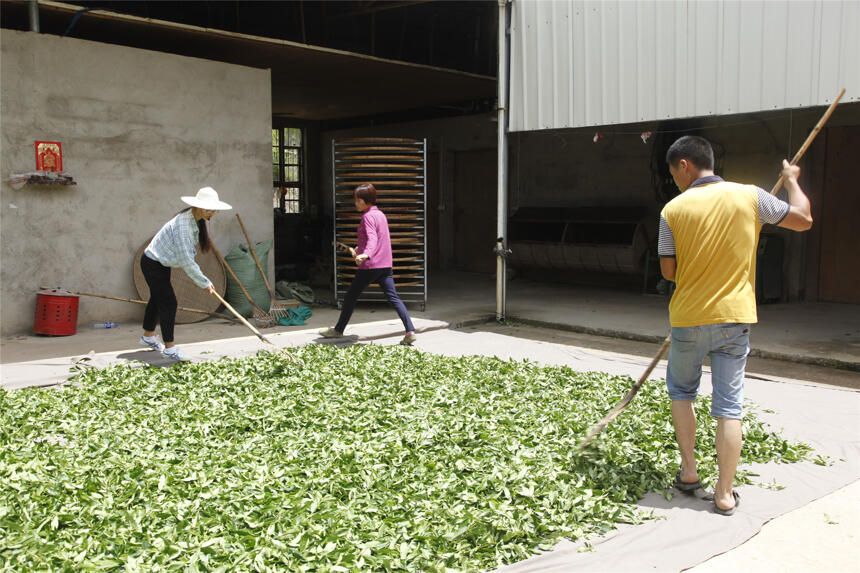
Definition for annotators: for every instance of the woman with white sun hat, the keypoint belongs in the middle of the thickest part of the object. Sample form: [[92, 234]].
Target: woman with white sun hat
[[175, 246]]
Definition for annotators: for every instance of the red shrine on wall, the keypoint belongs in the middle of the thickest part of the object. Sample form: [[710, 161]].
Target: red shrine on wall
[[49, 156]]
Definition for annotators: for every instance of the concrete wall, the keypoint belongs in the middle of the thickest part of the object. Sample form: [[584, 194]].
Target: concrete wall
[[139, 129]]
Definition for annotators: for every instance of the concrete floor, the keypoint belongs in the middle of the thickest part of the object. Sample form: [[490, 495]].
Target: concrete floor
[[810, 335], [825, 334]]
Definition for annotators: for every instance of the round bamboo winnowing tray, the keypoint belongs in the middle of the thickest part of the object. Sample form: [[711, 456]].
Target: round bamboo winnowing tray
[[188, 294]]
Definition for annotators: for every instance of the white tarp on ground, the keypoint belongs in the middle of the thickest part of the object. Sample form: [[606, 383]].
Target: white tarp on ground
[[825, 418]]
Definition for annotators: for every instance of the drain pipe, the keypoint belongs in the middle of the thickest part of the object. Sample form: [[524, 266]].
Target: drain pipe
[[34, 15], [501, 250]]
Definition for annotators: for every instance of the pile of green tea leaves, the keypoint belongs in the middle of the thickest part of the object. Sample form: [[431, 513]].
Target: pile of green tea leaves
[[366, 458]]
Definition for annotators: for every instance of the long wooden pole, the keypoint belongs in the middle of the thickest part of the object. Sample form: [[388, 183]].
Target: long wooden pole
[[259, 335], [259, 313], [619, 407], [810, 138], [137, 301], [256, 259]]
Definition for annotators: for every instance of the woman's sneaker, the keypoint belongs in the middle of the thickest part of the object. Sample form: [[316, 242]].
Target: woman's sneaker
[[152, 342], [330, 333], [175, 353], [409, 339]]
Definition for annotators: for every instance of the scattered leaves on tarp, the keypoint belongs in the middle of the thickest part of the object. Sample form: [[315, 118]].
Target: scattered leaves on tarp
[[367, 458]]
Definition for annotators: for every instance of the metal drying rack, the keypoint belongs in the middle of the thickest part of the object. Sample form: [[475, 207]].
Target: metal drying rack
[[397, 167]]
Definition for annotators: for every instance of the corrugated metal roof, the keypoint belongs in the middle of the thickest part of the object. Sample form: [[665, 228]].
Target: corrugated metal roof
[[577, 64]]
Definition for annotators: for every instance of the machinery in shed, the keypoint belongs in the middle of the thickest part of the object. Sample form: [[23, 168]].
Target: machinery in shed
[[612, 240]]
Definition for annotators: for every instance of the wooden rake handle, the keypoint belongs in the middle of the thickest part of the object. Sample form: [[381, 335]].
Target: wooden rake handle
[[256, 260], [810, 138], [274, 347], [244, 321], [137, 301], [619, 407], [232, 274]]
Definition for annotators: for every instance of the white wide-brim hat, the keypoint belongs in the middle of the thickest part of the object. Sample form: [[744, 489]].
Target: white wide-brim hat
[[207, 198]]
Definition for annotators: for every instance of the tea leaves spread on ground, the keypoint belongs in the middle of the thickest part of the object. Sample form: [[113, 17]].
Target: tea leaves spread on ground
[[367, 458]]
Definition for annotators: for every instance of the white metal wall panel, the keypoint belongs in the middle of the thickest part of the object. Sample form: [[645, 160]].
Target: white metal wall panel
[[578, 63]]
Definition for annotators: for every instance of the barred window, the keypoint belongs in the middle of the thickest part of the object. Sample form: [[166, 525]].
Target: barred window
[[287, 169]]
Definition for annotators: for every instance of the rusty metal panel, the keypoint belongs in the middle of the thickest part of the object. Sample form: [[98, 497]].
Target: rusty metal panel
[[578, 63]]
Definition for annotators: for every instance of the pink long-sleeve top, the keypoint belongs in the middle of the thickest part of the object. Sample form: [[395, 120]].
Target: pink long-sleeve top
[[374, 239]]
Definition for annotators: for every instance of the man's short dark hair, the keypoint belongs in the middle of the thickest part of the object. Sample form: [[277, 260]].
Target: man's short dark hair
[[693, 148]]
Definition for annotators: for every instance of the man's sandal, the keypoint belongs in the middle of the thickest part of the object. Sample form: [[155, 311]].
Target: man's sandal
[[737, 497], [686, 487]]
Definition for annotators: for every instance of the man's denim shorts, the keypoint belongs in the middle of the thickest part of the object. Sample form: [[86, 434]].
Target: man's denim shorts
[[728, 346]]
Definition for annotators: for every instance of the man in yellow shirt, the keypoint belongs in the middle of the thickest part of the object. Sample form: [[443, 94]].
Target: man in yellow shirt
[[707, 244]]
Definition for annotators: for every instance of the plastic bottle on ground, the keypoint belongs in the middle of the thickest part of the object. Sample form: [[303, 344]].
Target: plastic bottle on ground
[[105, 324]]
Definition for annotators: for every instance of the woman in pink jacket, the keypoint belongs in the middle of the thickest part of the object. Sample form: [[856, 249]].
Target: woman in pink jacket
[[374, 261]]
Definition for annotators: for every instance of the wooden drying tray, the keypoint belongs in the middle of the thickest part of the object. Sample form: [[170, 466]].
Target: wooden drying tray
[[349, 157], [384, 169], [384, 193], [397, 268], [397, 262], [406, 180], [380, 185], [381, 196], [344, 200], [390, 225], [396, 275], [351, 232], [398, 226], [378, 178], [414, 217], [353, 238], [397, 284], [391, 217], [415, 220], [393, 166], [351, 140], [406, 241], [386, 149], [391, 200]]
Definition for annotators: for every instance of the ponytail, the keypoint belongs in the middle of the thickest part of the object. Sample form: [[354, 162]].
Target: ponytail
[[203, 239], [205, 243]]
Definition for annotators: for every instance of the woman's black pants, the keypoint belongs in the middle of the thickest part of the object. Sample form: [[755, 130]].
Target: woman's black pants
[[161, 307]]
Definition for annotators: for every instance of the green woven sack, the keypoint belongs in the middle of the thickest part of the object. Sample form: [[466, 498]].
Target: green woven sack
[[240, 260]]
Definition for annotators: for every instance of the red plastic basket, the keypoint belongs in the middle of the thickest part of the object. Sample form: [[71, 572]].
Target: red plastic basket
[[56, 313]]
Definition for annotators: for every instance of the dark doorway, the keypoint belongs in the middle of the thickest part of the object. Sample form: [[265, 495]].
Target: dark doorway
[[839, 268], [475, 198], [432, 209]]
